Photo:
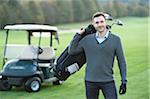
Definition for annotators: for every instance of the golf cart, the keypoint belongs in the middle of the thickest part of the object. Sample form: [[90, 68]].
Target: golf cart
[[28, 65]]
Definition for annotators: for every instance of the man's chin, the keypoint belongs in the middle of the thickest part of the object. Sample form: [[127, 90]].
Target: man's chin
[[101, 31]]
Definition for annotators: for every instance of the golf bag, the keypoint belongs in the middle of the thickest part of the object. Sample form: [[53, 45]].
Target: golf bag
[[67, 64]]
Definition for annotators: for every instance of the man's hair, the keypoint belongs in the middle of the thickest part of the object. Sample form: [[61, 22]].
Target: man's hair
[[97, 14]]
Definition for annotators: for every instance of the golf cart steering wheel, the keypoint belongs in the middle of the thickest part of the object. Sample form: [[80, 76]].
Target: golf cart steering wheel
[[40, 50]]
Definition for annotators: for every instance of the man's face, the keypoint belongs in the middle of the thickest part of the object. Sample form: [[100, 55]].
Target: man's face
[[99, 24]]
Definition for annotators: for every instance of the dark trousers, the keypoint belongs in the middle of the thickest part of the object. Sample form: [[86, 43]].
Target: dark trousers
[[108, 89]]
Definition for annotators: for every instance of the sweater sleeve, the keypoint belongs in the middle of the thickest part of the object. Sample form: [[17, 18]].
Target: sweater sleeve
[[121, 61], [75, 45]]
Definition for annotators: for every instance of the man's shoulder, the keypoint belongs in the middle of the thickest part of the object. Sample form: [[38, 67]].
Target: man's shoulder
[[114, 36], [89, 36]]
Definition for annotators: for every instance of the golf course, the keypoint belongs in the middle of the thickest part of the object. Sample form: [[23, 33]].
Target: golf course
[[134, 37]]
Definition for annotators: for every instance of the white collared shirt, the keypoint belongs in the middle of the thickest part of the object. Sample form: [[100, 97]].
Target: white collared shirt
[[101, 39]]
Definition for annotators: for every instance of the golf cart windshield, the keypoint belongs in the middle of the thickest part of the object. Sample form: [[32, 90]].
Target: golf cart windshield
[[35, 29]]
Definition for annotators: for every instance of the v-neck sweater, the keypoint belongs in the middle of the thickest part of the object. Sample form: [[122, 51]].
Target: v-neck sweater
[[100, 56]]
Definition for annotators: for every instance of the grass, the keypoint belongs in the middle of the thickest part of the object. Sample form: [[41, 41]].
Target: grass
[[134, 35]]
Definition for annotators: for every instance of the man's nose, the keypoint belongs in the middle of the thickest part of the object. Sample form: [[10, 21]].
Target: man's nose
[[99, 24]]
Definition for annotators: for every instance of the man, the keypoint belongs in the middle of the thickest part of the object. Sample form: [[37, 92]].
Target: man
[[100, 50]]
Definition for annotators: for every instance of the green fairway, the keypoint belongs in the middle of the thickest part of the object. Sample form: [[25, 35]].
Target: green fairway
[[134, 36]]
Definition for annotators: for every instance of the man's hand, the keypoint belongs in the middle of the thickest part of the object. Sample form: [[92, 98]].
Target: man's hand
[[81, 31], [90, 29], [122, 89]]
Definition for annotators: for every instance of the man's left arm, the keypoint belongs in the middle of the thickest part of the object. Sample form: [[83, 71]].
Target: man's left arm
[[122, 66]]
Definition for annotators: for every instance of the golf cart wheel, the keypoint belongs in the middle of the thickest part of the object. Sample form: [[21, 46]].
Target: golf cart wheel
[[33, 84], [58, 82], [4, 85]]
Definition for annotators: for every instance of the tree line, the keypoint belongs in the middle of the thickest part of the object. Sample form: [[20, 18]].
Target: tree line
[[65, 11]]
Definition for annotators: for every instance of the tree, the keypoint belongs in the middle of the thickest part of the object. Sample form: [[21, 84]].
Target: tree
[[64, 11], [91, 7], [36, 12], [120, 8], [78, 10], [109, 8], [4, 13], [14, 11], [49, 11]]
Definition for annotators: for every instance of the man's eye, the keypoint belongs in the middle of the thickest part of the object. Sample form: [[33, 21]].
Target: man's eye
[[102, 21], [97, 22]]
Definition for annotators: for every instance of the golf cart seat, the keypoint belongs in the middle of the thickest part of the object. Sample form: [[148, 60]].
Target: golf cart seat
[[48, 53], [46, 57]]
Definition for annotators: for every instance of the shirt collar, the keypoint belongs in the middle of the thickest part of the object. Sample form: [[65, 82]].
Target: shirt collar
[[106, 35]]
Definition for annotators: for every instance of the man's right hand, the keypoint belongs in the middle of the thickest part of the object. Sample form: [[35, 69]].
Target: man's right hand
[[81, 31], [88, 30]]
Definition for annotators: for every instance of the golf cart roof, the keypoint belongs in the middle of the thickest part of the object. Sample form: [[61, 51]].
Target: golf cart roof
[[36, 30], [31, 27]]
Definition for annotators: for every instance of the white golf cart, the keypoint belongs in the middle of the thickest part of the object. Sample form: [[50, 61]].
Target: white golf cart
[[28, 65]]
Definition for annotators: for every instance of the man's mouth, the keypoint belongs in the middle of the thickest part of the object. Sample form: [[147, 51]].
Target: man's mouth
[[100, 28]]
